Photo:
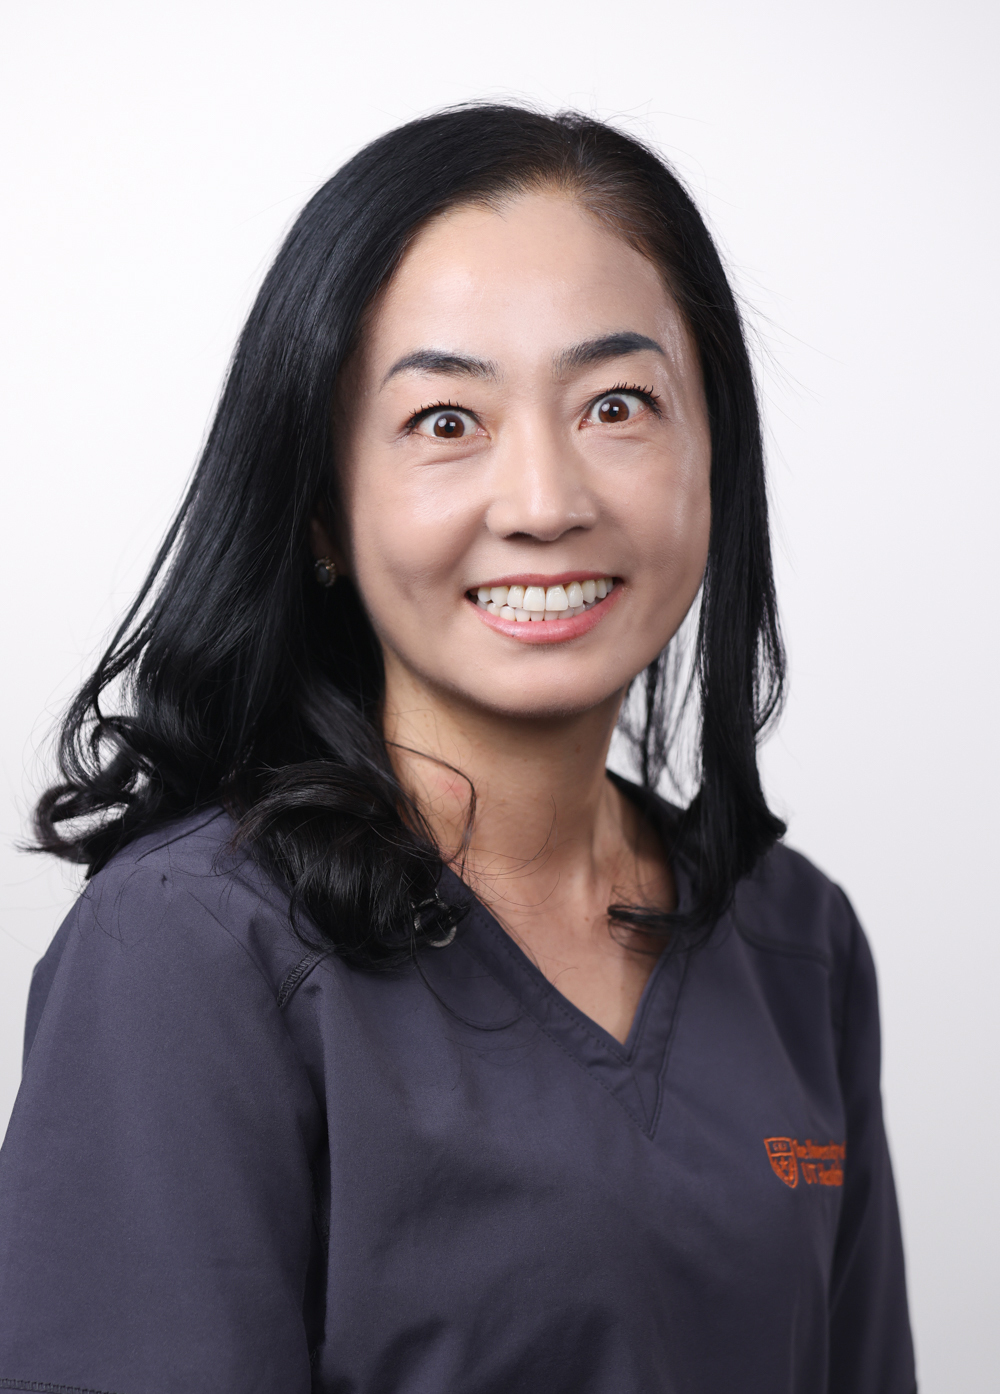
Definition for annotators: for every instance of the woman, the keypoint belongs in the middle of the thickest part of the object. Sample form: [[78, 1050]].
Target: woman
[[393, 1045]]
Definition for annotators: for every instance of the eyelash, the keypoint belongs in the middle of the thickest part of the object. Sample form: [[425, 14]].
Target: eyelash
[[419, 415], [645, 394]]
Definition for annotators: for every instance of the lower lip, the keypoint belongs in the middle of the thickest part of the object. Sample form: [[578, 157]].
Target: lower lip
[[550, 631]]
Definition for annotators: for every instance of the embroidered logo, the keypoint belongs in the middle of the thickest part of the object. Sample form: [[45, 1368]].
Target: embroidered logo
[[818, 1164]]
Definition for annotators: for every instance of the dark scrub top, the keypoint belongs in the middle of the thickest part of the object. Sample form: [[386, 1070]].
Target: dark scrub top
[[235, 1167]]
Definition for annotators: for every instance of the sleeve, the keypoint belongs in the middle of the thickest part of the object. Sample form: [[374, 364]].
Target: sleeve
[[871, 1350], [155, 1182]]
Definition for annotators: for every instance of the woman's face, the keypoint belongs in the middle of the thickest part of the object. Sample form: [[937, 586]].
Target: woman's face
[[525, 421]]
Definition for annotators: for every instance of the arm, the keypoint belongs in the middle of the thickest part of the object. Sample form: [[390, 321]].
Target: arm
[[155, 1188], [870, 1346]]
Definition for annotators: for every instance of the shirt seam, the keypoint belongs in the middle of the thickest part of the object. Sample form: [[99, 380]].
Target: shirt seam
[[296, 976], [668, 1049]]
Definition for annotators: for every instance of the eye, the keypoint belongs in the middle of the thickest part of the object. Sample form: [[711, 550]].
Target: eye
[[446, 423], [617, 407]]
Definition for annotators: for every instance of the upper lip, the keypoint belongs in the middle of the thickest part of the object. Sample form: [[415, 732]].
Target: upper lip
[[535, 578]]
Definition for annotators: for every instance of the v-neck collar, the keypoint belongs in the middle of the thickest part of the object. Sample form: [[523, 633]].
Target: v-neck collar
[[631, 1071]]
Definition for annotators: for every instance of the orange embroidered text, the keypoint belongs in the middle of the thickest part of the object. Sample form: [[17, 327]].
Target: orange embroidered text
[[817, 1163]]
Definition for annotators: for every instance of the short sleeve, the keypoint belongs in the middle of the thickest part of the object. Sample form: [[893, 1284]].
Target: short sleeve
[[155, 1182], [871, 1350]]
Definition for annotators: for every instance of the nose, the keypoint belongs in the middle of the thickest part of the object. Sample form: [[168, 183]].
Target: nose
[[541, 490]]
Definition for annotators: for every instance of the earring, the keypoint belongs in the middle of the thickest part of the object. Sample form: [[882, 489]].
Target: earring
[[325, 571]]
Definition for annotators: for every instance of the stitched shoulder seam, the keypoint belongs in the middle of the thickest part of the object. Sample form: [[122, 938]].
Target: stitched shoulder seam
[[296, 976]]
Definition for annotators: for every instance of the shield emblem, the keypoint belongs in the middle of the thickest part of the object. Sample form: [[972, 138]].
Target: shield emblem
[[781, 1155]]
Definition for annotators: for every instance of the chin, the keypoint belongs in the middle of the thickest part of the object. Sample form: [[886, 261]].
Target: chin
[[544, 701]]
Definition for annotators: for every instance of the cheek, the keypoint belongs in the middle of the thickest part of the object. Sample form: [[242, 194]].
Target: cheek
[[685, 537], [409, 530], [667, 516]]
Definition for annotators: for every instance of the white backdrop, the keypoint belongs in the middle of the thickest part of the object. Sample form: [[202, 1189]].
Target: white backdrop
[[845, 154]]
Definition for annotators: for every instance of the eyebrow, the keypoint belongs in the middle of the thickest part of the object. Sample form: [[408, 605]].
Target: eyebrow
[[437, 361], [608, 346], [580, 356]]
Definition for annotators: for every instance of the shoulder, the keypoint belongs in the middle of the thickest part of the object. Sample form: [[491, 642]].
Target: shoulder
[[786, 905], [198, 846], [794, 921], [789, 907], [182, 892]]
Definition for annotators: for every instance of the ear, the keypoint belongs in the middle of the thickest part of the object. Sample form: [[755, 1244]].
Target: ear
[[321, 546]]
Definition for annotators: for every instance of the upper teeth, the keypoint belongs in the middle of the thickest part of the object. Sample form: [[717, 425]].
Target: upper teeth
[[541, 603]]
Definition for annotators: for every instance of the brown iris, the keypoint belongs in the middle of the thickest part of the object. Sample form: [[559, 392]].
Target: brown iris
[[613, 409], [449, 426]]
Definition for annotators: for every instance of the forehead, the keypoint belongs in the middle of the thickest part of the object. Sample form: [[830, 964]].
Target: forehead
[[517, 284]]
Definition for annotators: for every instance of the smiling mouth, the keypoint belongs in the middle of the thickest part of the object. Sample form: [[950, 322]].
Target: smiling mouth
[[541, 604]]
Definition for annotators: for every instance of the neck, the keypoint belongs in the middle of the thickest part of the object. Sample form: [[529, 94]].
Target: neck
[[544, 809]]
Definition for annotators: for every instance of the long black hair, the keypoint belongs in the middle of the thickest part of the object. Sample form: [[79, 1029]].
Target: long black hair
[[235, 679]]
